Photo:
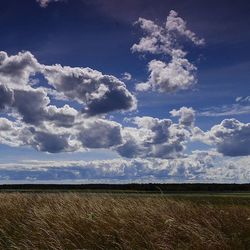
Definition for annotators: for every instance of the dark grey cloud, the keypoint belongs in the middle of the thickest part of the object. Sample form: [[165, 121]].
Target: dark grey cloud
[[41, 138], [100, 134], [6, 97], [45, 139], [117, 99], [5, 124], [157, 138], [33, 106], [48, 142], [45, 127], [13, 133], [52, 137], [61, 117], [152, 137], [30, 104], [17, 69], [130, 148], [231, 137], [99, 93], [24, 100]]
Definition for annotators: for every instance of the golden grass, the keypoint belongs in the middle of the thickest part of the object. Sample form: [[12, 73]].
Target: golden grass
[[85, 221]]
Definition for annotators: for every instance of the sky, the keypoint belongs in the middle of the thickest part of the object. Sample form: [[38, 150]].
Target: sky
[[124, 91]]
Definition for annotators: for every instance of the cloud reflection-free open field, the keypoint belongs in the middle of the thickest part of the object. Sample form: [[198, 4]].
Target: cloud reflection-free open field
[[123, 221]]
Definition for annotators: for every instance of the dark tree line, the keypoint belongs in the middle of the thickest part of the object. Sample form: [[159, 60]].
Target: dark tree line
[[150, 187]]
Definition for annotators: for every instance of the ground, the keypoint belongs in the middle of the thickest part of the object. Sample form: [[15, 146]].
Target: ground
[[85, 220]]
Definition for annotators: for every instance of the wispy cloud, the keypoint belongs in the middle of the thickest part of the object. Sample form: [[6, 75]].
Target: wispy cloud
[[225, 110], [45, 3]]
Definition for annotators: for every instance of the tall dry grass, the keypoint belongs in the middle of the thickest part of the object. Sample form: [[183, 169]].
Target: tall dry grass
[[82, 221]]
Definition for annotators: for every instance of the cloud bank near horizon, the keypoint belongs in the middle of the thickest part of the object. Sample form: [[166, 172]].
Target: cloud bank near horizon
[[200, 166]]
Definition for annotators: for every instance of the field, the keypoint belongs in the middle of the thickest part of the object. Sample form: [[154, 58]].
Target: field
[[124, 221]]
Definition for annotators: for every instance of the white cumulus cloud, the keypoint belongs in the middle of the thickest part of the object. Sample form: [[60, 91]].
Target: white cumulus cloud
[[178, 73]]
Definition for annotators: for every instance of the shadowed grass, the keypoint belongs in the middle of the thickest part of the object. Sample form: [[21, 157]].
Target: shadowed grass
[[86, 221]]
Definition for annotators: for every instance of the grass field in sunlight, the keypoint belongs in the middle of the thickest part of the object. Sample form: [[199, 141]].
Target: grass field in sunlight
[[123, 221]]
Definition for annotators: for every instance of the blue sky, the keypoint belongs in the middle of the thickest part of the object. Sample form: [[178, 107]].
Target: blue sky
[[191, 123]]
